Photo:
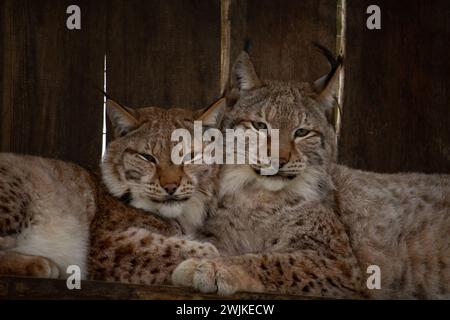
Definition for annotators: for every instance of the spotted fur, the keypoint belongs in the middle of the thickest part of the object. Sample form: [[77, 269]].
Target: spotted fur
[[315, 227], [54, 214], [138, 164], [45, 211]]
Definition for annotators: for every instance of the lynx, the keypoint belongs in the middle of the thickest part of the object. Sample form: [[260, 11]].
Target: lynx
[[316, 226], [54, 214]]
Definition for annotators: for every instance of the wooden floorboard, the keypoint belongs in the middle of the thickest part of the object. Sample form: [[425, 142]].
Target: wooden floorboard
[[32, 288]]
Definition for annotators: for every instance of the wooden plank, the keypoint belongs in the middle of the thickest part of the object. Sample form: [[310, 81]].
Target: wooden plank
[[397, 96], [48, 103], [164, 53], [32, 288], [281, 32]]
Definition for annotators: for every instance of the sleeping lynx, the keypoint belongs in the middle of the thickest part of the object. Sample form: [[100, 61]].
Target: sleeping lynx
[[54, 214], [316, 226]]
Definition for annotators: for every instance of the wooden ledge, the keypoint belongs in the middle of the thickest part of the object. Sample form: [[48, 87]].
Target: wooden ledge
[[33, 288]]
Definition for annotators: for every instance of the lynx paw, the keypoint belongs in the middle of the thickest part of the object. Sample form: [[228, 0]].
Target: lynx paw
[[206, 276], [205, 250], [42, 268]]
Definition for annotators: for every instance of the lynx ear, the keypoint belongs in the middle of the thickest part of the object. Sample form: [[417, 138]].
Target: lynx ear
[[330, 89], [123, 119], [327, 86], [213, 115], [243, 77]]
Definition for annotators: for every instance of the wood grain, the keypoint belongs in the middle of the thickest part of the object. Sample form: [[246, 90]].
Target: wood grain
[[397, 93], [48, 103], [32, 288], [281, 32], [164, 53]]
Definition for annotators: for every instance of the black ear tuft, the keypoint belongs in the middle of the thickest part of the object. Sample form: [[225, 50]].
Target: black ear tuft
[[327, 86], [327, 53], [247, 45], [334, 62]]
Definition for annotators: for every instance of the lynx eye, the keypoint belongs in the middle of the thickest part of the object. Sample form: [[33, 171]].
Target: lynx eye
[[147, 157], [300, 133], [259, 125]]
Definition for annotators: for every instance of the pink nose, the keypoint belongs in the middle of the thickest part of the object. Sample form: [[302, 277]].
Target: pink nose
[[171, 188]]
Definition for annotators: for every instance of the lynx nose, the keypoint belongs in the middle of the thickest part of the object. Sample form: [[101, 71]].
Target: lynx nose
[[171, 187], [284, 156]]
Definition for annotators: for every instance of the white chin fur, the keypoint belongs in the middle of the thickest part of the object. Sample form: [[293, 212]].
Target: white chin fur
[[236, 178], [173, 210], [190, 213], [271, 184]]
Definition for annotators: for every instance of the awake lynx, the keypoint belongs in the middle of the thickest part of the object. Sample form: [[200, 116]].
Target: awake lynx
[[54, 214], [316, 226]]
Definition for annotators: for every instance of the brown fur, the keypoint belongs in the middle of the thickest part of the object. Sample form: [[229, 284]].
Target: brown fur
[[316, 226], [47, 206], [54, 214], [130, 245]]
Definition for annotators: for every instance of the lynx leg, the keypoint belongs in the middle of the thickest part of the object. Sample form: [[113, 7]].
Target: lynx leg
[[302, 272], [141, 256], [18, 264]]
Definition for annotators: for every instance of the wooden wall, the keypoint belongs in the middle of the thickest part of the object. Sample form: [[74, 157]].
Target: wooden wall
[[281, 33], [48, 106], [174, 53], [163, 53], [397, 88]]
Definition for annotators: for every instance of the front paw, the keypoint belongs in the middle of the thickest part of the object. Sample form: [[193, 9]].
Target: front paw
[[207, 276], [41, 267]]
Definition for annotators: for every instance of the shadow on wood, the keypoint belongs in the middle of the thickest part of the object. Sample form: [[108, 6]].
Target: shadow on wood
[[32, 288]]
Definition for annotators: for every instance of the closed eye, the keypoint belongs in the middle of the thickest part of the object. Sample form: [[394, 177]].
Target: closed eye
[[147, 157]]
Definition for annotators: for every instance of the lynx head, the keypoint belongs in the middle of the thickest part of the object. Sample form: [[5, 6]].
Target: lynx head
[[299, 112], [137, 165]]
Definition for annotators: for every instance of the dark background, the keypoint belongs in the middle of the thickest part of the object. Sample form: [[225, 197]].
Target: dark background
[[178, 52]]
